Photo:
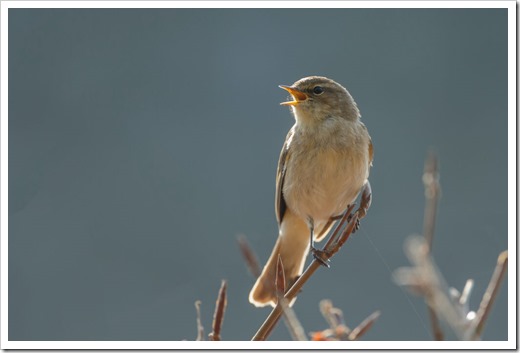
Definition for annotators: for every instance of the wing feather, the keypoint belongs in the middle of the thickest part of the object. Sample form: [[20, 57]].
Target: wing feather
[[279, 205]]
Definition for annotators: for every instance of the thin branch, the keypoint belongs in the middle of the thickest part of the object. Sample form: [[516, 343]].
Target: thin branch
[[220, 308], [438, 335], [332, 315], [331, 248], [291, 321], [338, 330], [249, 256], [342, 221], [200, 328], [491, 293], [364, 326], [431, 192], [466, 293]]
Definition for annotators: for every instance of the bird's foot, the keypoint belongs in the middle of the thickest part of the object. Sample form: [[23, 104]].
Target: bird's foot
[[356, 227], [320, 256]]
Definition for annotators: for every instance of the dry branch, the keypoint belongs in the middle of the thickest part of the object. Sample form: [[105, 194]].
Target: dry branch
[[338, 330], [364, 326], [490, 294], [200, 328], [426, 280], [220, 308], [431, 192], [249, 256]]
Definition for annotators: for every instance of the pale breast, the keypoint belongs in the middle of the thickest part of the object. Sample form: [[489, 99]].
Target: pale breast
[[322, 179]]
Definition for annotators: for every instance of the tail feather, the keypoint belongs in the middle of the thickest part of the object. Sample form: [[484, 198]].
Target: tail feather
[[292, 245]]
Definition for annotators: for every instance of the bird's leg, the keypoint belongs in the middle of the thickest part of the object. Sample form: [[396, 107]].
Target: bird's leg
[[316, 253]]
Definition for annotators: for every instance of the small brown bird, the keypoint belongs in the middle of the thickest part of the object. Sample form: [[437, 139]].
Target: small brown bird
[[323, 166]]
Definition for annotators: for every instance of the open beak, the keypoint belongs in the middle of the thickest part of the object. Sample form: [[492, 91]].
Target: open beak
[[297, 95]]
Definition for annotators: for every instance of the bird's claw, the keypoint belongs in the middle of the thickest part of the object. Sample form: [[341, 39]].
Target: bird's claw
[[319, 255], [356, 227]]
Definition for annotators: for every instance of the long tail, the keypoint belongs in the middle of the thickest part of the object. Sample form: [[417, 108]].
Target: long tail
[[292, 245]]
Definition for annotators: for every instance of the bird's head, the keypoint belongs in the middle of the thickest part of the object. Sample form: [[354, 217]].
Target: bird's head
[[316, 98]]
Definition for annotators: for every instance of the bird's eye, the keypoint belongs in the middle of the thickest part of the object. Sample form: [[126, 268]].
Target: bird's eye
[[318, 90]]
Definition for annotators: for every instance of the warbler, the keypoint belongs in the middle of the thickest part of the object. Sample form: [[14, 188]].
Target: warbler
[[323, 165]]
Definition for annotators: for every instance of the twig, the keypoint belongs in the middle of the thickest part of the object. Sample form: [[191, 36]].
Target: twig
[[200, 328], [431, 192], [249, 256], [438, 335], [220, 308], [331, 248], [364, 326], [466, 293], [332, 315], [490, 294], [338, 330], [291, 321]]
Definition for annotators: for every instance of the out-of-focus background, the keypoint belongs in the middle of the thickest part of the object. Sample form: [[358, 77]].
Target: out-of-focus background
[[143, 141]]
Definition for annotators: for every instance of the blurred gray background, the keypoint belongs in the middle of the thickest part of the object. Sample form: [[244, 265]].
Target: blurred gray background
[[142, 142]]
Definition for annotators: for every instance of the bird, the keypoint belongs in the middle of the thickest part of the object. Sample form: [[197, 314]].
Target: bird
[[323, 166]]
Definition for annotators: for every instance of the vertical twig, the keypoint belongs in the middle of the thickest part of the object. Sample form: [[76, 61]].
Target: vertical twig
[[220, 308], [438, 335], [200, 328], [431, 192], [466, 293], [280, 278]]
